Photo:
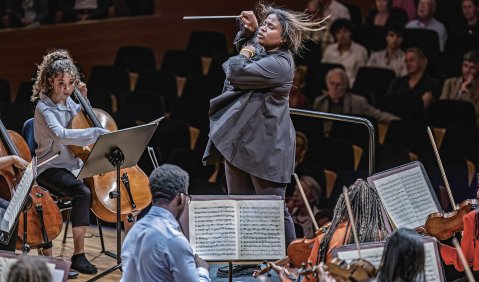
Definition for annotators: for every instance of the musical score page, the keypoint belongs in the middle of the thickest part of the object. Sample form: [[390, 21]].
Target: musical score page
[[213, 232], [373, 255], [431, 268], [261, 230], [406, 197]]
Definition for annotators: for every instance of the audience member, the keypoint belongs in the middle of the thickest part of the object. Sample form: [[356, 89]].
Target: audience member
[[28, 13], [29, 269], [338, 100], [425, 19], [155, 249], [392, 57], [323, 8], [81, 10], [345, 51], [407, 5], [384, 14], [416, 82], [465, 34], [297, 99], [465, 87]]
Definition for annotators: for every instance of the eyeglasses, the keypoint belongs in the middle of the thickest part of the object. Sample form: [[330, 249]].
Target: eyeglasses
[[188, 198]]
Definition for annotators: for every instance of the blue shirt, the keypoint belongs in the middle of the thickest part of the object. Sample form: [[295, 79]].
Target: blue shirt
[[155, 249]]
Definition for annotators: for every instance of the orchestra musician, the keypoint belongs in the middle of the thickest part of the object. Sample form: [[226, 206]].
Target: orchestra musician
[[56, 79]]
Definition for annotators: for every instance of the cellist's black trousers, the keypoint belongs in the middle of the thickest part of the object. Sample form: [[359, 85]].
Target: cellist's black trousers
[[62, 182]]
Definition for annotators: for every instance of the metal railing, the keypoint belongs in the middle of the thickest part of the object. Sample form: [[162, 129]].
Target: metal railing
[[344, 118]]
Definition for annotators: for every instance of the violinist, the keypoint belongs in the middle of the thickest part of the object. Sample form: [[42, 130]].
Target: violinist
[[366, 207], [469, 245], [57, 77]]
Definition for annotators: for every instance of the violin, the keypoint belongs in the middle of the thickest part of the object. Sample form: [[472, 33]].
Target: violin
[[358, 270], [134, 182], [44, 220], [443, 225]]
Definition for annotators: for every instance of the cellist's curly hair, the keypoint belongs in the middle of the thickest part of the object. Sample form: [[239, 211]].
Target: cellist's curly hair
[[294, 25], [56, 62], [366, 207]]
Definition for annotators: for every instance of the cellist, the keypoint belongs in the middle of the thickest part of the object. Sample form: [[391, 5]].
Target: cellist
[[56, 79]]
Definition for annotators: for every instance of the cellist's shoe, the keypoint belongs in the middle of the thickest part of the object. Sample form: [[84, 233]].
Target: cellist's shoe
[[81, 264]]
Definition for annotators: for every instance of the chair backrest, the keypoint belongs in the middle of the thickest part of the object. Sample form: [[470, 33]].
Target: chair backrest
[[114, 79], [315, 79], [425, 39], [182, 63], [24, 92], [409, 134], [375, 81], [207, 43], [135, 58], [159, 82], [331, 153], [404, 106], [144, 106], [4, 90], [202, 86], [27, 133], [445, 113]]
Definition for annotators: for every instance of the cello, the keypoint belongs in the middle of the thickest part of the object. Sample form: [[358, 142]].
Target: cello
[[134, 182], [44, 220]]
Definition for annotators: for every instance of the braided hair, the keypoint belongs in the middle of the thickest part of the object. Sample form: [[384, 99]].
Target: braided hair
[[54, 63], [366, 208]]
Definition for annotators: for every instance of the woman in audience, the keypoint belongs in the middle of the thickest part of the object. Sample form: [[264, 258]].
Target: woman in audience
[[384, 14], [465, 34], [416, 82]]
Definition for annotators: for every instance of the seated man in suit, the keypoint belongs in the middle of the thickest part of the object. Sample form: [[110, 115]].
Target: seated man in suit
[[465, 87], [338, 100]]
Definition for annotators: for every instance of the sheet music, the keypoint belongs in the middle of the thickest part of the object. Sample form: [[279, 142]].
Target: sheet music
[[406, 197], [431, 269], [261, 230], [213, 229], [373, 255]]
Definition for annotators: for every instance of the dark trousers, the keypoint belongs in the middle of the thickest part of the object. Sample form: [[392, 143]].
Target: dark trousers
[[240, 182], [61, 182]]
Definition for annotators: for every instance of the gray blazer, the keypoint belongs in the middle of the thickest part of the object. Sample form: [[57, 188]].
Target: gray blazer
[[250, 125]]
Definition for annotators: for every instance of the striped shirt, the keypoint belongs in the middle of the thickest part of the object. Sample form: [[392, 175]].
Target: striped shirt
[[381, 59]]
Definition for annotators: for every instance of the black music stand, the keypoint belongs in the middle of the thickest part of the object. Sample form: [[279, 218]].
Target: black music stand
[[114, 151]]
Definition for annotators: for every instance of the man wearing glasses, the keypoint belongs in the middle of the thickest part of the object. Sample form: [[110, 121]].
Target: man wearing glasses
[[155, 249]]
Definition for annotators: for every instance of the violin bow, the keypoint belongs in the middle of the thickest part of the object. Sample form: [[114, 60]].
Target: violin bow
[[306, 203], [467, 269], [351, 219], [443, 173]]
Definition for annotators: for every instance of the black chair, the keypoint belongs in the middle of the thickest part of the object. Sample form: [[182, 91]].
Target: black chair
[[409, 134], [170, 135], [404, 106], [143, 106], [14, 115], [135, 58], [446, 113], [160, 82], [356, 133], [312, 127], [387, 156], [182, 63], [372, 37], [373, 83], [203, 86], [4, 90], [315, 79], [207, 43], [101, 99], [24, 92], [331, 153], [114, 79], [462, 140], [428, 41]]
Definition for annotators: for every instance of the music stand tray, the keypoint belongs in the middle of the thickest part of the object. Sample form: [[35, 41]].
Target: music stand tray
[[114, 151]]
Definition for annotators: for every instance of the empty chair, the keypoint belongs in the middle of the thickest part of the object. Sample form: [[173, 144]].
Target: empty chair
[[4, 90], [406, 107], [203, 86], [135, 58], [170, 135], [446, 113], [207, 43], [159, 82], [101, 99], [15, 115], [331, 153], [143, 106], [114, 79], [374, 81], [24, 92], [182, 62]]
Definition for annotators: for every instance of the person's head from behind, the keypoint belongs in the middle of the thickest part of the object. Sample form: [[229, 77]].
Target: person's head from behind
[[426, 9], [29, 269], [403, 257], [283, 28], [311, 189], [394, 36], [366, 207], [470, 65], [342, 30], [169, 188], [383, 6], [470, 8], [416, 62], [337, 84], [56, 77], [301, 147]]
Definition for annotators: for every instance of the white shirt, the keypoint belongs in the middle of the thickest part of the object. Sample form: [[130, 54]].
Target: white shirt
[[352, 59], [381, 59]]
